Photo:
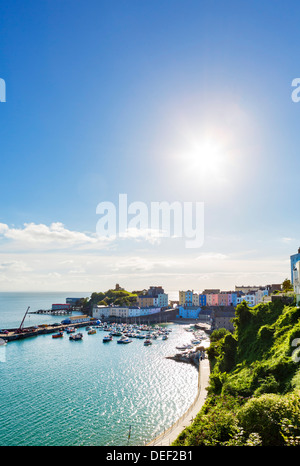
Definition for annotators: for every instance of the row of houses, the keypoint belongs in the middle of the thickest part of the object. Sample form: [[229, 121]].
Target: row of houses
[[104, 312], [215, 297]]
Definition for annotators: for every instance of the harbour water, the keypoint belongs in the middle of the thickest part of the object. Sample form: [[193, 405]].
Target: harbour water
[[59, 392]]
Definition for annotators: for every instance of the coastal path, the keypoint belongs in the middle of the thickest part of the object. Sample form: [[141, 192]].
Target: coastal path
[[167, 437]]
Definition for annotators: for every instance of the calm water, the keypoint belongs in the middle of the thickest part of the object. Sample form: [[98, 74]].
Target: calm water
[[59, 392]]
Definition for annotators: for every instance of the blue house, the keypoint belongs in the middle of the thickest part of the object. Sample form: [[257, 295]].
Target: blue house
[[202, 300], [189, 312]]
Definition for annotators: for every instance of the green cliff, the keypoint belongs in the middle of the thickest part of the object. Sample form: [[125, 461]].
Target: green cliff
[[254, 388]]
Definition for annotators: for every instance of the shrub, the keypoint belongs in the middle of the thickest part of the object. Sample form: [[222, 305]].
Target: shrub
[[267, 385], [264, 415]]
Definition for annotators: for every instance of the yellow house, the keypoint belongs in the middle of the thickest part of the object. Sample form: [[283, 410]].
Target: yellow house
[[145, 301], [181, 298]]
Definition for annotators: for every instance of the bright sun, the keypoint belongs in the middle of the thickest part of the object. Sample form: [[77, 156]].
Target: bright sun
[[207, 159]]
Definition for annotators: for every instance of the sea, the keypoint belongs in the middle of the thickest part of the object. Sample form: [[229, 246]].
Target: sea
[[57, 392]]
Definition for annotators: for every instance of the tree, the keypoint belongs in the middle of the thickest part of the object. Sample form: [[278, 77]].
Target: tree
[[287, 285]]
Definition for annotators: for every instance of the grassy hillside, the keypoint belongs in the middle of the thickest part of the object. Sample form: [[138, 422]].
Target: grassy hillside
[[254, 389], [115, 297]]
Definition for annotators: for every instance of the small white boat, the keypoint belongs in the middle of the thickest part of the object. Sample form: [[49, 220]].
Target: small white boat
[[124, 340], [70, 329], [3, 342], [107, 338]]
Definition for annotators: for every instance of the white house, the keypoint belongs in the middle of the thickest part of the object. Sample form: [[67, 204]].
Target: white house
[[195, 299], [260, 295], [162, 300], [101, 312]]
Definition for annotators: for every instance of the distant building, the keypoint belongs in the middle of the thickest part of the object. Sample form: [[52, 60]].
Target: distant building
[[76, 319], [72, 301], [211, 291], [189, 298], [61, 307], [246, 288], [261, 295], [202, 300], [145, 300], [223, 319], [294, 259], [250, 299], [181, 298], [101, 312], [195, 299], [118, 288], [155, 296], [189, 312], [274, 287], [104, 312]]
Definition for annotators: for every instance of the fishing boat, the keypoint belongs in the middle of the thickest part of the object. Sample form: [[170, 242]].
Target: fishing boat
[[164, 337], [76, 336], [107, 338], [58, 335], [92, 331], [70, 329], [124, 340], [147, 342]]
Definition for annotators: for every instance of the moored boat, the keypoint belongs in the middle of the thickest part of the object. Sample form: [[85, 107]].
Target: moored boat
[[92, 331], [124, 340], [184, 347], [107, 338], [147, 342], [76, 336], [70, 329], [58, 335]]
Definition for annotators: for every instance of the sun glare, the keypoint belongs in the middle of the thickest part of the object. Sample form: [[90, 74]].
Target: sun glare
[[207, 159]]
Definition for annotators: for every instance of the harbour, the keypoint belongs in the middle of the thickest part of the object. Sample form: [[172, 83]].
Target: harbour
[[89, 392]]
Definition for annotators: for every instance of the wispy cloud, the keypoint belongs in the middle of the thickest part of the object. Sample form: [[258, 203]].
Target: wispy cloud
[[287, 240], [56, 235]]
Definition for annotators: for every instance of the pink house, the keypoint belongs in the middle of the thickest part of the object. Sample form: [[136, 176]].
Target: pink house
[[215, 299]]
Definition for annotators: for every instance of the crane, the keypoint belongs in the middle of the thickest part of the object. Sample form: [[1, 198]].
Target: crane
[[22, 323]]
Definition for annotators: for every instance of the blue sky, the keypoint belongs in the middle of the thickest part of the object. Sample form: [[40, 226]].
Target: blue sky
[[161, 100]]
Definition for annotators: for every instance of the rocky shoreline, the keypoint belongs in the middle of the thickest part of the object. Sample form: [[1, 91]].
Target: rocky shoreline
[[195, 354]]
